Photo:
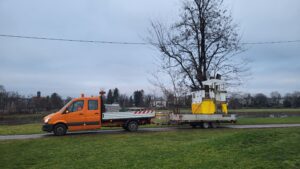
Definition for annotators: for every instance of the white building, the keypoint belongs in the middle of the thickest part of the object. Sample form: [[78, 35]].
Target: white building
[[112, 107], [159, 103]]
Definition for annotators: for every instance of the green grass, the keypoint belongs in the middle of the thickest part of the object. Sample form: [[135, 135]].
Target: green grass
[[284, 120], [20, 129], [193, 148], [275, 110]]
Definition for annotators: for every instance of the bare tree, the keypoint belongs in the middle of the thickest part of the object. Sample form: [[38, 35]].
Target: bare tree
[[171, 86], [202, 43]]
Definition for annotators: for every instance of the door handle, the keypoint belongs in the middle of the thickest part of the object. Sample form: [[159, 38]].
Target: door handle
[[96, 113], [80, 113]]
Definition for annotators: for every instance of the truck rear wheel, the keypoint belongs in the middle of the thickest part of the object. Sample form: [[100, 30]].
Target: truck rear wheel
[[132, 126], [60, 129]]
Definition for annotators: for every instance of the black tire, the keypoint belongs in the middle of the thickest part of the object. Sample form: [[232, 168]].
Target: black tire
[[125, 127], [132, 126], [194, 126], [60, 129], [205, 125]]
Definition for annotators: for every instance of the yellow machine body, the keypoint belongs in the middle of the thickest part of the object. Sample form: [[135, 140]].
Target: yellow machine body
[[224, 108], [207, 106]]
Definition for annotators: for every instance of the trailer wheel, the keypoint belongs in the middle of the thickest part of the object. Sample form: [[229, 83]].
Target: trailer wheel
[[60, 129], [194, 126], [124, 127], [205, 125], [132, 126]]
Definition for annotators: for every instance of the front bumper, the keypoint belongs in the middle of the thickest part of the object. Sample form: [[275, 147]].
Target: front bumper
[[47, 127]]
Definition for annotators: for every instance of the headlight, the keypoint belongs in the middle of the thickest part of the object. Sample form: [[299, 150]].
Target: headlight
[[46, 120]]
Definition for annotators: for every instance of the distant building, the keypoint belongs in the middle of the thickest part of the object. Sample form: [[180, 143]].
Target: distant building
[[281, 101], [159, 103], [112, 107]]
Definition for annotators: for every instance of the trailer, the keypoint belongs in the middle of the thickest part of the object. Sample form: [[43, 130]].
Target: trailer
[[209, 106], [204, 121]]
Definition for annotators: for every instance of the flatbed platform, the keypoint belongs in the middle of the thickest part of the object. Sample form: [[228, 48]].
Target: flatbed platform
[[198, 118]]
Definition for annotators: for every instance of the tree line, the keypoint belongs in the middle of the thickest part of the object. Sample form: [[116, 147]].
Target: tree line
[[13, 102], [137, 99], [260, 100], [140, 99]]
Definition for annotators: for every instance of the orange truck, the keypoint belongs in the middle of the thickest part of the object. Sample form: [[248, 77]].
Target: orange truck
[[88, 113]]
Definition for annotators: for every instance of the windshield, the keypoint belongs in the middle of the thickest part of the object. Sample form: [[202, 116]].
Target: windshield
[[66, 105]]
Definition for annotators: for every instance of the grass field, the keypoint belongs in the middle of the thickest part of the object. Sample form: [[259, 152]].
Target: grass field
[[255, 148], [36, 127], [20, 129], [275, 110], [283, 120]]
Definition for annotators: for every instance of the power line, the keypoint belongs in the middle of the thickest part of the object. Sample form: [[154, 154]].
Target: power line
[[270, 42], [74, 40], [127, 43]]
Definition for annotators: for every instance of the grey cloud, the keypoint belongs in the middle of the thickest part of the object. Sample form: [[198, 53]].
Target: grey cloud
[[71, 68]]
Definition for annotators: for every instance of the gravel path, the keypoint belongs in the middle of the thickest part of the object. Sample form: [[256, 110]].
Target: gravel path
[[141, 130]]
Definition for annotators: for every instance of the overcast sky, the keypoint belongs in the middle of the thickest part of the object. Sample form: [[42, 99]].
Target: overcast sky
[[70, 68]]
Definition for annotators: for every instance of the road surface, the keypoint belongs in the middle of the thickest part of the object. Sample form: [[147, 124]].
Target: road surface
[[141, 130]]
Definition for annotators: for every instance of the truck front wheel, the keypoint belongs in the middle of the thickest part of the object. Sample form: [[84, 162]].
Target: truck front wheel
[[60, 129], [132, 126]]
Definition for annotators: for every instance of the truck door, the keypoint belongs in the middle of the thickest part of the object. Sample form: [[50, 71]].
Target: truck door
[[92, 115], [75, 117]]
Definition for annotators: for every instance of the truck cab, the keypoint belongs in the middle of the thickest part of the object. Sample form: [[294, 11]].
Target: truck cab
[[88, 113]]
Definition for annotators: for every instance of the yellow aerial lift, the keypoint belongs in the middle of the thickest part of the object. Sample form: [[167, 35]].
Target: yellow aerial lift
[[209, 107]]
